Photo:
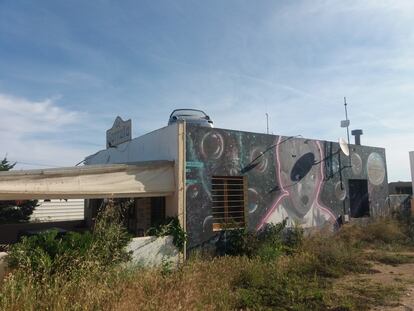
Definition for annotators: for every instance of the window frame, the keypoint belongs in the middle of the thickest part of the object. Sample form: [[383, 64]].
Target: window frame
[[229, 223]]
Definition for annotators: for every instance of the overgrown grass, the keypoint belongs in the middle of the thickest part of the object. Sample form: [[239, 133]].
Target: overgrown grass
[[364, 294], [67, 273], [389, 258], [279, 271]]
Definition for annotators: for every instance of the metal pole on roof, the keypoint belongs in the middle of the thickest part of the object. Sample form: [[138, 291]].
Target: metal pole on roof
[[346, 118], [267, 123]]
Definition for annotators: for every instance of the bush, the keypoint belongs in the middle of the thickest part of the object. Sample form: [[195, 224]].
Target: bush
[[171, 226], [237, 242], [48, 253], [45, 253], [269, 243]]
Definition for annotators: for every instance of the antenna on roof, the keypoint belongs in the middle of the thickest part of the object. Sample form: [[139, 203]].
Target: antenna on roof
[[267, 123], [346, 122]]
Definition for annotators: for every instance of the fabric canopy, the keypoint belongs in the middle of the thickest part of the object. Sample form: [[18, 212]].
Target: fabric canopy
[[141, 179]]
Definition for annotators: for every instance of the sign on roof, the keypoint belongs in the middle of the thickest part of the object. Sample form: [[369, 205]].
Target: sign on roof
[[119, 133]]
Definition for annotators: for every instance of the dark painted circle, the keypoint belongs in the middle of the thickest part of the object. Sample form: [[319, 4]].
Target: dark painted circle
[[302, 167]]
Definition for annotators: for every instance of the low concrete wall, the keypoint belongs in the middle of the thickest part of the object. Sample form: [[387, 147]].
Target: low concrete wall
[[152, 251], [3, 265], [400, 202]]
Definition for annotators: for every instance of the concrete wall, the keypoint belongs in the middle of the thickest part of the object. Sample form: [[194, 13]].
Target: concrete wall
[[400, 202], [295, 178], [152, 251], [157, 145]]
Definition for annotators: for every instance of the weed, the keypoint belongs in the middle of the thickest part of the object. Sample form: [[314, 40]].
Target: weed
[[363, 294], [166, 267], [171, 226], [393, 259], [275, 272]]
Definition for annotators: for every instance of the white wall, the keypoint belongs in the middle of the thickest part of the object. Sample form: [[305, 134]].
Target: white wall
[[152, 251], [58, 210], [157, 145]]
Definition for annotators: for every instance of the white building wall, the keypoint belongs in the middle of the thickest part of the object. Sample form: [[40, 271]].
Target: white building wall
[[58, 210], [161, 144]]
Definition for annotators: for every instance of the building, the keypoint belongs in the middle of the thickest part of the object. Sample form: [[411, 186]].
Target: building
[[215, 179], [400, 187], [412, 167], [226, 179]]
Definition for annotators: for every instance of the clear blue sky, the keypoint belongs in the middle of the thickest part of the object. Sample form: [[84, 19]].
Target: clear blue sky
[[68, 68]]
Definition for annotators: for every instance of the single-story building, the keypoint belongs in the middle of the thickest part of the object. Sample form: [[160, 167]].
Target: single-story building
[[227, 178], [214, 179]]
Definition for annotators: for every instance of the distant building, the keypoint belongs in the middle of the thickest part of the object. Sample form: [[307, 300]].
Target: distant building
[[400, 187]]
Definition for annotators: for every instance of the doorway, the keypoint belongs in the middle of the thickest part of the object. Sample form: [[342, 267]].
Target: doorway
[[359, 199]]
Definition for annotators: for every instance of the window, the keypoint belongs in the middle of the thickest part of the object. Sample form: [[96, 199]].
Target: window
[[229, 202], [157, 211]]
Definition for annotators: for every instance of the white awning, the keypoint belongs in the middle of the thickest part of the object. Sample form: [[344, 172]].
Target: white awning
[[141, 179]]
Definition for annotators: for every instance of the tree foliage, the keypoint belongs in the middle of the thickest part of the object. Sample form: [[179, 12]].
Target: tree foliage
[[14, 211]]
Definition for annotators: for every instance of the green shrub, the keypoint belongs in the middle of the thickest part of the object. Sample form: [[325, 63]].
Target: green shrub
[[269, 243], [110, 238], [237, 242], [48, 253], [171, 226]]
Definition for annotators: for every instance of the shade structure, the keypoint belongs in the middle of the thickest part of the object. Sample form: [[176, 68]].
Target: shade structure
[[141, 179]]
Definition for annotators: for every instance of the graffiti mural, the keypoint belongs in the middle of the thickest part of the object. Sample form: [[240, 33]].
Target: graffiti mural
[[301, 180]]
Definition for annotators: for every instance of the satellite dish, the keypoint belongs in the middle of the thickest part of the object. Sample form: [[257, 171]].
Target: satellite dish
[[344, 146]]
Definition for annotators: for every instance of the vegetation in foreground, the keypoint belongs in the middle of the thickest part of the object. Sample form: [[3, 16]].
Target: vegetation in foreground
[[273, 270]]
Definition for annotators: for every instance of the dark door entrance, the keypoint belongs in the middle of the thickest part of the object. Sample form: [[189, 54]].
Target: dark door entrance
[[359, 200]]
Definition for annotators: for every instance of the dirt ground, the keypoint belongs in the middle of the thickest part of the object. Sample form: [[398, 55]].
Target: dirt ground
[[404, 274], [388, 286]]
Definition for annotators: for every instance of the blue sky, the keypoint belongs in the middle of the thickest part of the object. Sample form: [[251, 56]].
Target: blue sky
[[68, 68]]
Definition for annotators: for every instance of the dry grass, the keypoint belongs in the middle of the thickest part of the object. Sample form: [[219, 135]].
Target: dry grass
[[300, 280]]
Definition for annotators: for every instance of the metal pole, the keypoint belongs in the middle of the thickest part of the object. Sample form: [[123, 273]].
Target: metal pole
[[267, 123], [349, 157], [346, 117]]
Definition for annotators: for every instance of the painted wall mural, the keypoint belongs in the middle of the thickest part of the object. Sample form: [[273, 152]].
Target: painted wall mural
[[303, 180]]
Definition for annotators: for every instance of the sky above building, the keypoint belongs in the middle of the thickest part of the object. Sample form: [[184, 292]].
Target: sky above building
[[68, 68]]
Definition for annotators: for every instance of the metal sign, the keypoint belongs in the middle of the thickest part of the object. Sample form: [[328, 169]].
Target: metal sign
[[345, 123], [119, 133]]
